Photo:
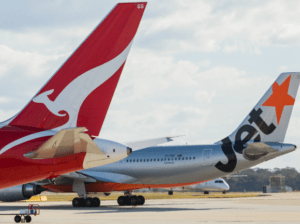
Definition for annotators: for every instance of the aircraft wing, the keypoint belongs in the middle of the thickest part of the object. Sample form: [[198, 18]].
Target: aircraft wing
[[136, 145], [88, 177], [109, 177]]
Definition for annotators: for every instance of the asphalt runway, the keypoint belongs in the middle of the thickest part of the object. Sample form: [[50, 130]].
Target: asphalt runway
[[276, 208]]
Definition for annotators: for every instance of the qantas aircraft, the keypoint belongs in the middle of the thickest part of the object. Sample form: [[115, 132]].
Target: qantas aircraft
[[258, 138], [55, 133]]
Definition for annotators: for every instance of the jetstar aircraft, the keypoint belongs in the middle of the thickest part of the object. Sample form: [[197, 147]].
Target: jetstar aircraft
[[257, 139], [54, 133]]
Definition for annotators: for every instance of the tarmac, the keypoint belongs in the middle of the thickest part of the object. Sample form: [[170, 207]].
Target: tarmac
[[272, 208]]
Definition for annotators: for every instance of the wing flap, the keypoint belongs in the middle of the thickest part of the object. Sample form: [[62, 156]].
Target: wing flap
[[110, 177]]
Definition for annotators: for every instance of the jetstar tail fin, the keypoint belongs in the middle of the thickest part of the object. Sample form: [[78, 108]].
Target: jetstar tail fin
[[268, 120], [80, 92]]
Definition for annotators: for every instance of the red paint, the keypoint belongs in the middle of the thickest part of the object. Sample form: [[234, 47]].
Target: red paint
[[280, 98], [94, 120], [106, 42], [17, 169]]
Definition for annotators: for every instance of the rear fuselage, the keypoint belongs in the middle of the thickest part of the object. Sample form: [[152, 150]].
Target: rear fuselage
[[175, 165]]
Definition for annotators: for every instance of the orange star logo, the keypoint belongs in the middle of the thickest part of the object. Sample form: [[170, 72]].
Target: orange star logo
[[280, 98]]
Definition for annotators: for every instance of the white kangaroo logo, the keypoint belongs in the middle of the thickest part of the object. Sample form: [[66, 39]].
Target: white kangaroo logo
[[74, 94]]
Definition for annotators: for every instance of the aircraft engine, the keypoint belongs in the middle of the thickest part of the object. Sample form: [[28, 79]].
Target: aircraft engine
[[20, 192]]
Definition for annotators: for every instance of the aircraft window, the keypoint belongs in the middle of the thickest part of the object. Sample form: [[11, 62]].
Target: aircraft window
[[182, 158], [165, 159], [172, 159], [219, 181], [147, 160], [127, 160], [134, 160], [141, 160], [186, 158], [175, 158], [169, 159], [194, 157], [144, 160], [137, 160], [154, 160], [130, 160], [190, 158], [150, 160], [114, 150], [179, 158]]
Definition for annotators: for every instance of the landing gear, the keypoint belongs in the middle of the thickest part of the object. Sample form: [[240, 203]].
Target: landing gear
[[134, 200], [17, 218], [206, 192], [23, 219], [121, 200], [224, 192], [27, 218], [88, 202], [96, 202], [141, 200], [76, 202], [131, 200]]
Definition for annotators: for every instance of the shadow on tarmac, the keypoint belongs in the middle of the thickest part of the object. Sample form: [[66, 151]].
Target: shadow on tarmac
[[108, 208]]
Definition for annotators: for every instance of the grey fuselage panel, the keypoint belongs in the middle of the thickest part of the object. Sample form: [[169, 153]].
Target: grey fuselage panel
[[173, 165]]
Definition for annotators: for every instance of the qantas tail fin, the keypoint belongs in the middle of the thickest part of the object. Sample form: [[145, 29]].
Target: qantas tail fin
[[268, 120], [80, 92]]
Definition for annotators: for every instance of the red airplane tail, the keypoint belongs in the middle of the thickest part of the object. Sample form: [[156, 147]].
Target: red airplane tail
[[80, 92]]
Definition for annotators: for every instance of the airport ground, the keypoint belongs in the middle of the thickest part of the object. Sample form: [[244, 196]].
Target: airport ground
[[254, 208]]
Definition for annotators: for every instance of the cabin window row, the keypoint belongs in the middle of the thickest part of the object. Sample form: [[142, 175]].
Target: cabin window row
[[164, 159]]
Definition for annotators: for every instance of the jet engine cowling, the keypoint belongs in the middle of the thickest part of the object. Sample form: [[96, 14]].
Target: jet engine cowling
[[20, 192]]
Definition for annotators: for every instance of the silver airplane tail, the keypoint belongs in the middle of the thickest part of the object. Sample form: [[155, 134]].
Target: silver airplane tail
[[268, 120], [262, 132]]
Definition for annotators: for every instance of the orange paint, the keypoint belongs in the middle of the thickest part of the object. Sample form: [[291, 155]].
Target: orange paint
[[110, 186], [280, 98]]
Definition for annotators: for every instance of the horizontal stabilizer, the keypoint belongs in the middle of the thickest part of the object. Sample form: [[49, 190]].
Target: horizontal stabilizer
[[256, 150], [72, 141], [65, 143], [149, 142]]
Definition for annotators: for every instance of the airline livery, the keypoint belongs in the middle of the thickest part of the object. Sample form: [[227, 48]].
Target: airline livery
[[47, 141], [257, 139], [55, 133]]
